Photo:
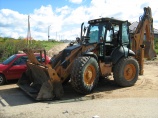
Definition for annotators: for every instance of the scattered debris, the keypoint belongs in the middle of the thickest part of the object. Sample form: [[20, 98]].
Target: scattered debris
[[95, 116], [65, 112]]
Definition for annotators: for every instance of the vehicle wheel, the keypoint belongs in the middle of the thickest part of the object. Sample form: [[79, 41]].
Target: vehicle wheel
[[126, 72], [85, 74], [2, 79]]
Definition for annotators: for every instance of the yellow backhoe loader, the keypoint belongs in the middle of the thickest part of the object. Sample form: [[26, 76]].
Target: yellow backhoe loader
[[104, 47]]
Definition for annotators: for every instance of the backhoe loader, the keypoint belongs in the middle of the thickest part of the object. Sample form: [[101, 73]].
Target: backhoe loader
[[104, 47]]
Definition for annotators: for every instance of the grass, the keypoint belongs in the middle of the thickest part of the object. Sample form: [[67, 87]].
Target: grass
[[49, 44], [10, 46]]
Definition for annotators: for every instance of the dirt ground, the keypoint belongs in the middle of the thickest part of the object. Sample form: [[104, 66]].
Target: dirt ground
[[107, 100], [56, 49]]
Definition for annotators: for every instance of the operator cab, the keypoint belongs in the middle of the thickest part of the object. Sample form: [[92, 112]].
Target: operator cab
[[108, 33]]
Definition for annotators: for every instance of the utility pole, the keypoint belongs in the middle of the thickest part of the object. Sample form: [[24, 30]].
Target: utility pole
[[56, 35], [48, 31], [29, 32]]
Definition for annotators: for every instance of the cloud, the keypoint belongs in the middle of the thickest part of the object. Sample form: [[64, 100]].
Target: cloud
[[76, 1], [65, 21], [12, 23], [63, 10], [11, 18], [77, 16]]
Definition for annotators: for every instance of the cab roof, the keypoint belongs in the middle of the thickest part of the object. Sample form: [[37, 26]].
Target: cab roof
[[106, 19]]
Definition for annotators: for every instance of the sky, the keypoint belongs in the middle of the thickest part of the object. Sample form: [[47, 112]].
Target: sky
[[63, 18]]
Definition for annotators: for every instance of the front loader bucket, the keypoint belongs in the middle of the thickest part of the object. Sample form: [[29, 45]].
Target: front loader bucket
[[40, 81], [149, 52], [37, 83]]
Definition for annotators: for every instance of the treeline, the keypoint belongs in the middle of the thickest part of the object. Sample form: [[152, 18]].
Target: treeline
[[10, 46]]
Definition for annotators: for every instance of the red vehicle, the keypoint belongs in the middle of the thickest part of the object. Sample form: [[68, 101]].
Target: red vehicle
[[14, 66]]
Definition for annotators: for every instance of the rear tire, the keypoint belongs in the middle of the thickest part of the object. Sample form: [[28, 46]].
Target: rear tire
[[2, 79], [126, 72], [85, 74]]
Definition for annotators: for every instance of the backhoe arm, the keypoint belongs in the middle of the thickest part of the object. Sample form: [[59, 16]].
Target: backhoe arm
[[144, 48]]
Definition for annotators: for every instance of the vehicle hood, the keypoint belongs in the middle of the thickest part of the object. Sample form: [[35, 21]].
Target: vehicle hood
[[3, 67]]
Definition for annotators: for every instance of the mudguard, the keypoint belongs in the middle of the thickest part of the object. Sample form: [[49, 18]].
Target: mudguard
[[92, 54], [120, 52]]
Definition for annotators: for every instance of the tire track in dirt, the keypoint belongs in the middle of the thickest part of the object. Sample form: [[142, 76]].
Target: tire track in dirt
[[146, 86]]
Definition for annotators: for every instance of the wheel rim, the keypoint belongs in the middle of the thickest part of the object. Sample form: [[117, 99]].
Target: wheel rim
[[89, 75], [1, 79], [129, 72]]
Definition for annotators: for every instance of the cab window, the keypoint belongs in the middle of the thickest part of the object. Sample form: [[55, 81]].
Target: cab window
[[96, 31], [125, 38], [109, 35], [93, 34]]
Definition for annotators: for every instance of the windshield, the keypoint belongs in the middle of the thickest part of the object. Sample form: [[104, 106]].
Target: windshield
[[96, 31], [11, 58]]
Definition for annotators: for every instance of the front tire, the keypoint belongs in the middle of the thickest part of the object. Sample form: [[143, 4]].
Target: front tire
[[2, 79], [126, 72], [85, 74]]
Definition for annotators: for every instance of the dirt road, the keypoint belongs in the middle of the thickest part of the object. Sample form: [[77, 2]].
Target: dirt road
[[56, 49], [108, 100]]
